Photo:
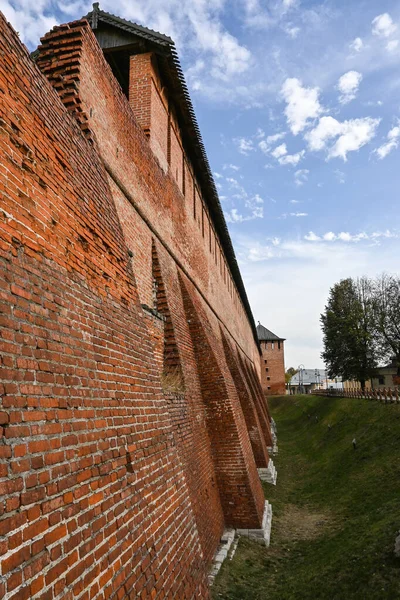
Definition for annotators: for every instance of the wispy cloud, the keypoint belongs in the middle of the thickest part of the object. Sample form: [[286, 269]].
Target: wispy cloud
[[292, 159], [357, 45], [392, 143], [345, 236], [251, 205], [297, 215], [244, 145], [301, 176]]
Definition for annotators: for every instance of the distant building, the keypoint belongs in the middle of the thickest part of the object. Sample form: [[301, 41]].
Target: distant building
[[272, 361], [308, 380], [386, 377]]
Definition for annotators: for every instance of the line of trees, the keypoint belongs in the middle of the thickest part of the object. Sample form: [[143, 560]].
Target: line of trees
[[361, 327]]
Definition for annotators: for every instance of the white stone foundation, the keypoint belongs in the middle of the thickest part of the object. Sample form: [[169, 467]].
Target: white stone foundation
[[273, 450], [269, 474], [260, 535], [226, 548], [397, 546]]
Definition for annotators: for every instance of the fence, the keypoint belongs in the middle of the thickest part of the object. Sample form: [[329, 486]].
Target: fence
[[385, 395]]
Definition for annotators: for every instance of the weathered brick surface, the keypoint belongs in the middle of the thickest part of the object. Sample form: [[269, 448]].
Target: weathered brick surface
[[273, 367], [110, 485]]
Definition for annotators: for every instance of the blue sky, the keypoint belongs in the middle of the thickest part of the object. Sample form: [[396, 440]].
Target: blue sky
[[299, 106]]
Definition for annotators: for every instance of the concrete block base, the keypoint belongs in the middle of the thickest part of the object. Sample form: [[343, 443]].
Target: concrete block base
[[260, 535], [269, 474]]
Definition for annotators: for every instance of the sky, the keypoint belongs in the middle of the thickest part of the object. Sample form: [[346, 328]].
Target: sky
[[298, 103]]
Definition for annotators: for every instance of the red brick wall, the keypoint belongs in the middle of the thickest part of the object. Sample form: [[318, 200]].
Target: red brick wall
[[93, 498], [273, 368], [113, 484]]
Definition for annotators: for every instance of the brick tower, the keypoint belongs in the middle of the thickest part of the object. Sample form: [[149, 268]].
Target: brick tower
[[272, 361]]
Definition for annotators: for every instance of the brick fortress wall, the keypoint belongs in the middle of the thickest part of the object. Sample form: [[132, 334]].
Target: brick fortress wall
[[132, 420]]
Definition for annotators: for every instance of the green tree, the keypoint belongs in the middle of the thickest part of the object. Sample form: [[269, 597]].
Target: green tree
[[348, 326], [387, 316], [289, 374]]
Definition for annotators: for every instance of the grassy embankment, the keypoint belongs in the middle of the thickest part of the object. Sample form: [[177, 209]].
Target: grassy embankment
[[336, 509]]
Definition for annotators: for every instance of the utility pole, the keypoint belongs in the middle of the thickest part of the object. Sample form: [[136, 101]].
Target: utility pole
[[300, 368]]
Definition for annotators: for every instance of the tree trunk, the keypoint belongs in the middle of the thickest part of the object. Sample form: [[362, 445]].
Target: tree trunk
[[362, 383]]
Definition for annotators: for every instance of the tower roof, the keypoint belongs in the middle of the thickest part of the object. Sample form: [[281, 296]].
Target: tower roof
[[265, 335]]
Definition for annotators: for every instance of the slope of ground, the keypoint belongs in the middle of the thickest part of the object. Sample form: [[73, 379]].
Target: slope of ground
[[336, 509]]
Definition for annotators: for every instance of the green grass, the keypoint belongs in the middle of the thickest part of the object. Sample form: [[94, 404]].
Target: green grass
[[336, 510]]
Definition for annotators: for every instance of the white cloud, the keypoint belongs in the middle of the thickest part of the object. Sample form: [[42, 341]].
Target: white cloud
[[357, 45], [279, 151], [383, 25], [302, 104], [233, 216], [218, 175], [255, 204], [345, 236], [30, 19], [292, 32], [230, 166], [311, 237], [350, 135], [298, 214], [392, 45], [291, 159], [355, 134], [294, 201], [348, 85], [393, 138], [340, 176], [265, 145], [301, 176], [244, 145], [327, 128], [271, 139], [227, 57]]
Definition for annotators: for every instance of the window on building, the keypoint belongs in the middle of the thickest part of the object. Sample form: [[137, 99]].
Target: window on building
[[269, 387], [279, 345], [268, 378], [266, 369], [272, 345], [265, 361], [381, 380]]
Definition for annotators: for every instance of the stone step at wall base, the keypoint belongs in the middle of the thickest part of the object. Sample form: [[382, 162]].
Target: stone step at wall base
[[273, 450], [269, 474], [226, 548], [260, 535]]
